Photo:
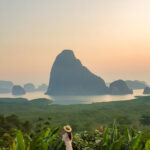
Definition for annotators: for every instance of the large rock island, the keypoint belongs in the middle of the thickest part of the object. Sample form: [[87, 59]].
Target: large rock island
[[69, 77], [119, 87]]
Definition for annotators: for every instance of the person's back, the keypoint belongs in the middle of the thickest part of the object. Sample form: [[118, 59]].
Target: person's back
[[67, 141], [67, 137]]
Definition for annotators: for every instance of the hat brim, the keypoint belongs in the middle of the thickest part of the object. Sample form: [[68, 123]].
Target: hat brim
[[67, 129]]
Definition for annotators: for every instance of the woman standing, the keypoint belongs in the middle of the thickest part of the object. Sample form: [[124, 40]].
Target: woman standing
[[67, 137]]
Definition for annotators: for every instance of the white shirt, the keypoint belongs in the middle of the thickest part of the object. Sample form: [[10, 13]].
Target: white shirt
[[67, 141]]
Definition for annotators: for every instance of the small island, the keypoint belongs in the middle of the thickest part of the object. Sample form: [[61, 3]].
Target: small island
[[18, 90], [146, 90]]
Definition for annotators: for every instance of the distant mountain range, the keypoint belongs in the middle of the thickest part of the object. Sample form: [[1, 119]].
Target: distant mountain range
[[69, 77], [134, 84], [7, 86]]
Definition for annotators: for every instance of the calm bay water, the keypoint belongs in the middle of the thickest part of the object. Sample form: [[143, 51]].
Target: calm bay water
[[66, 100]]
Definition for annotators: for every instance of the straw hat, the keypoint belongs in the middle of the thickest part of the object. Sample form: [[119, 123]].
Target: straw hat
[[67, 128]]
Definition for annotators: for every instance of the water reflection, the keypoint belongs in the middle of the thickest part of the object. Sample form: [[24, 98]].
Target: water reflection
[[29, 96], [66, 100]]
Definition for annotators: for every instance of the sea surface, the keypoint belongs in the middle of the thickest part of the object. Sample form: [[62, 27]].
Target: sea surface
[[66, 100]]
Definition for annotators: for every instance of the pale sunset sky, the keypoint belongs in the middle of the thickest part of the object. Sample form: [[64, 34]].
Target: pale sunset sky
[[110, 37]]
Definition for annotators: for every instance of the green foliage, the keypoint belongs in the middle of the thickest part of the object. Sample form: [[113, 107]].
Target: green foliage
[[145, 120], [124, 120], [19, 143], [81, 116], [147, 145], [114, 138], [109, 139], [42, 134], [8, 127]]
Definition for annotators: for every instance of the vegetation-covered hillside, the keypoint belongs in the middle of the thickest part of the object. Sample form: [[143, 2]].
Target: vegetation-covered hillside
[[27, 125], [135, 113]]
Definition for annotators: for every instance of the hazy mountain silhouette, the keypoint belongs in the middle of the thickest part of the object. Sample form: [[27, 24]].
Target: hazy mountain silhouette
[[42, 87], [5, 86], [136, 84], [29, 87], [70, 77], [119, 87]]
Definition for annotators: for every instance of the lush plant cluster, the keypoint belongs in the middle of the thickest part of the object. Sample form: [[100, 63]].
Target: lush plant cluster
[[44, 136], [115, 138], [8, 127]]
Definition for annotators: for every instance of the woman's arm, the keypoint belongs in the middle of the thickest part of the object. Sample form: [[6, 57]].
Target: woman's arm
[[62, 132]]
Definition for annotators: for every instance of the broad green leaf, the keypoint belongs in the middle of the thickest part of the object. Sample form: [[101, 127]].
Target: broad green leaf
[[116, 145], [147, 145], [19, 142], [106, 135], [114, 132], [129, 135], [136, 141]]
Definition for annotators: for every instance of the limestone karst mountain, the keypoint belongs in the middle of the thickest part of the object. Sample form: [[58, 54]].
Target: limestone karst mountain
[[69, 77], [119, 87]]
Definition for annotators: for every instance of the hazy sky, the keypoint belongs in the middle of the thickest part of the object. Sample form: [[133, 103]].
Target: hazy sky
[[110, 37]]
